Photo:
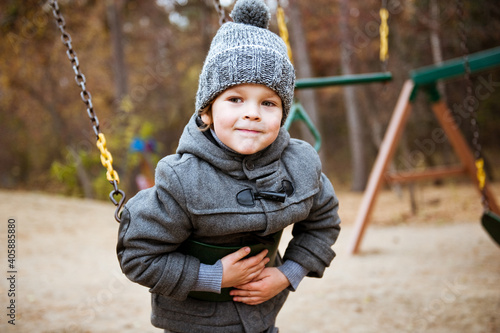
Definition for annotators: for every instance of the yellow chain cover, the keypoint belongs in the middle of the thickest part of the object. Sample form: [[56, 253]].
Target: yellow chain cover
[[107, 159], [480, 174], [384, 33], [280, 14]]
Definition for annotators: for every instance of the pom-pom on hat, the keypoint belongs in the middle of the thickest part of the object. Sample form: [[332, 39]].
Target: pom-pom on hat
[[245, 51]]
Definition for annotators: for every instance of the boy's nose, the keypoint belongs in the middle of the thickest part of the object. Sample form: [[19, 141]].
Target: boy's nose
[[252, 112]]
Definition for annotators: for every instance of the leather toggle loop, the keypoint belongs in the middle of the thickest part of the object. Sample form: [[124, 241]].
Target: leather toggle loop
[[287, 188], [247, 196]]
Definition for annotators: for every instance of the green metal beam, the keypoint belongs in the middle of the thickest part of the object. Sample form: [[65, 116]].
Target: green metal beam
[[456, 67], [297, 112], [342, 80]]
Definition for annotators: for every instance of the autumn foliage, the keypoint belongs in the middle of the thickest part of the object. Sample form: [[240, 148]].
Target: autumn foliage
[[141, 60]]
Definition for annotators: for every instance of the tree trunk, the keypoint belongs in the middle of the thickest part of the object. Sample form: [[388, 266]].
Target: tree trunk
[[303, 69], [114, 9], [119, 69], [354, 122], [83, 177], [437, 54]]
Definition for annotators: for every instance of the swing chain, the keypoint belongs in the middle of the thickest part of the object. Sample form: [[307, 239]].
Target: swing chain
[[106, 158], [79, 77], [119, 204], [470, 104], [220, 10]]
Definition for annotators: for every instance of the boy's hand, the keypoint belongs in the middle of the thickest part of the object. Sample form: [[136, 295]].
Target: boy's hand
[[238, 271], [264, 287]]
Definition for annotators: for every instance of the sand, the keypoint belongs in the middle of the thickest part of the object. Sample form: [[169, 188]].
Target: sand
[[436, 271]]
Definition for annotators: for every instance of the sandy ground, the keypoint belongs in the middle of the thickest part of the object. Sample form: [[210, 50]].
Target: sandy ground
[[436, 271]]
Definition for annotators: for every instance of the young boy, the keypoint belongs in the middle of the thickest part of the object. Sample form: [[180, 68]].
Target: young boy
[[237, 180]]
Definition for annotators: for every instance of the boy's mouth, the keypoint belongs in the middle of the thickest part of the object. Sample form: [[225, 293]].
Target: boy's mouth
[[249, 131]]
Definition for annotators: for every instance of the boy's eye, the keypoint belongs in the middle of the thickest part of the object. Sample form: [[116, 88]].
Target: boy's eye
[[268, 103], [235, 99]]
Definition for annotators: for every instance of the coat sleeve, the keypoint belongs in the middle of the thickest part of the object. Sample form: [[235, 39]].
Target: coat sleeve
[[154, 224], [313, 237]]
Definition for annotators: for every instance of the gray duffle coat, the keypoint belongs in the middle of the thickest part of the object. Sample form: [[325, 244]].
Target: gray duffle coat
[[196, 196]]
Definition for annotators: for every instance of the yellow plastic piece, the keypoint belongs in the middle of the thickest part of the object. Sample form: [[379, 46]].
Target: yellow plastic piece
[[384, 33], [280, 14], [480, 174], [107, 159]]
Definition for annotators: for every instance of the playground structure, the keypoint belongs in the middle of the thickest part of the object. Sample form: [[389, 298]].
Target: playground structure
[[426, 78]]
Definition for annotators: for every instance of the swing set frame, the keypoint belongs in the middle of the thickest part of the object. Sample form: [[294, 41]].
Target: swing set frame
[[425, 78]]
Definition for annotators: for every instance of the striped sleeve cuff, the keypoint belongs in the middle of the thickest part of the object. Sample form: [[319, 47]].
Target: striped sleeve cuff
[[294, 272], [209, 278]]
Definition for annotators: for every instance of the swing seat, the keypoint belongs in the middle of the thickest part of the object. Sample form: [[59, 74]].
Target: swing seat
[[491, 223], [209, 254]]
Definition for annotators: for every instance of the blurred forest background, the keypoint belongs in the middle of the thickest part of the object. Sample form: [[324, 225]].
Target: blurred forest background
[[142, 59]]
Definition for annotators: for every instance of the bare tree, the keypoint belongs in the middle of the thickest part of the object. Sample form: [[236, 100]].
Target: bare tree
[[437, 53], [303, 68], [354, 122], [119, 69]]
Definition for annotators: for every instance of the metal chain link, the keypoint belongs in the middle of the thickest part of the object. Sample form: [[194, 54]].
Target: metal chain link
[[470, 103], [220, 10], [106, 158]]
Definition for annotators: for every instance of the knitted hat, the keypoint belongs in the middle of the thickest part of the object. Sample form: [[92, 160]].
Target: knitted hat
[[245, 51]]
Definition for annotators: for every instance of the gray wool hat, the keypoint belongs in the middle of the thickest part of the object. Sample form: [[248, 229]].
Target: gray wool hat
[[245, 51]]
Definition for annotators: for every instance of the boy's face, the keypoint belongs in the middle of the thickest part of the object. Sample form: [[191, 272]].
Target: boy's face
[[246, 118]]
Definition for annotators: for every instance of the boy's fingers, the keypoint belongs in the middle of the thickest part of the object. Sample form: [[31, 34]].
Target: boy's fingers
[[244, 251], [259, 259], [240, 254], [262, 254]]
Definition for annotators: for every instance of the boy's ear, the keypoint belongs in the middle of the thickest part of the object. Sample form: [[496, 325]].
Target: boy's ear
[[206, 118]]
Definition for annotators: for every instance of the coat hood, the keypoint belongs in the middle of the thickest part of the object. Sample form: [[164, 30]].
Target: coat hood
[[203, 145]]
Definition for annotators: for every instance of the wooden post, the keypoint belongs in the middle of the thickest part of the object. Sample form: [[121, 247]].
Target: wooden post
[[462, 149], [386, 152], [431, 173]]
